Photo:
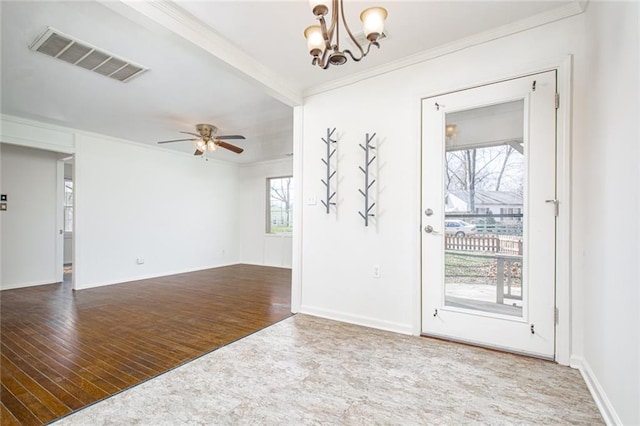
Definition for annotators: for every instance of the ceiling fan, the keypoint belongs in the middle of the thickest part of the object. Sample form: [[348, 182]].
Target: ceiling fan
[[205, 140]]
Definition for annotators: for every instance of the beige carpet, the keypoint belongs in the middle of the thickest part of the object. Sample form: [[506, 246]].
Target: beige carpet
[[306, 370]]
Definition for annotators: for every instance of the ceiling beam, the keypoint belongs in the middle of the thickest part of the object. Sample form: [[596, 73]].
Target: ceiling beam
[[174, 18]]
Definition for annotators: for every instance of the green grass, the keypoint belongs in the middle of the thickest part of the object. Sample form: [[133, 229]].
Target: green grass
[[472, 270], [462, 268], [281, 229]]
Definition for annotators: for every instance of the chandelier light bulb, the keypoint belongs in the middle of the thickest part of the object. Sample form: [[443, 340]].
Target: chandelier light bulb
[[319, 7], [373, 22], [315, 40], [211, 145]]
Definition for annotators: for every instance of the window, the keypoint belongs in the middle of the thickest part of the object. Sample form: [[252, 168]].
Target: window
[[280, 205], [68, 206]]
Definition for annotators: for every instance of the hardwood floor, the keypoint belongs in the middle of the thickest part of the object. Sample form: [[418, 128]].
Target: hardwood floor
[[62, 350]]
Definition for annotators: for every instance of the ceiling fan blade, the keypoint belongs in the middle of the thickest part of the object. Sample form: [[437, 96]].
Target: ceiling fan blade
[[230, 147], [178, 140], [231, 137], [198, 152], [190, 133]]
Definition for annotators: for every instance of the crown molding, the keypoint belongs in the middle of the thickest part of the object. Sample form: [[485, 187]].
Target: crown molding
[[277, 161], [172, 17], [72, 135], [571, 9]]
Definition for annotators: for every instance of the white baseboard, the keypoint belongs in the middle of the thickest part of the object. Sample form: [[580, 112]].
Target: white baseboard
[[263, 264], [28, 284], [597, 392], [357, 320], [150, 276]]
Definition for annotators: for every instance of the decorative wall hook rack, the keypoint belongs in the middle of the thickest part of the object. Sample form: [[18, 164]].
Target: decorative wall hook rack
[[327, 162], [367, 184]]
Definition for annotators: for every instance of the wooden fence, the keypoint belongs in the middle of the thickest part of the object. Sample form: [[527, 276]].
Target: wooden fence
[[485, 243]]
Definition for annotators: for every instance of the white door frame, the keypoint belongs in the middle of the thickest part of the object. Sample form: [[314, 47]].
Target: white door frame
[[564, 67]]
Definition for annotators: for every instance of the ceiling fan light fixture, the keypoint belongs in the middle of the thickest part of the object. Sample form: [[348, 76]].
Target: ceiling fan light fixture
[[207, 139], [201, 145]]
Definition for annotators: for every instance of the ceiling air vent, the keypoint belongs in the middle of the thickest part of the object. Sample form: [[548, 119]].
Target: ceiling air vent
[[59, 45]]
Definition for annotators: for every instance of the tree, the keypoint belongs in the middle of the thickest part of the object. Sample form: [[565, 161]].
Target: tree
[[507, 154], [484, 169]]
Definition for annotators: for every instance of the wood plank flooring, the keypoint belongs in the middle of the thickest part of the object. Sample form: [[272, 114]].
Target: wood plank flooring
[[62, 350]]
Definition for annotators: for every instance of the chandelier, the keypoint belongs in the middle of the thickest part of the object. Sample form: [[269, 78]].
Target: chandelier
[[324, 42]]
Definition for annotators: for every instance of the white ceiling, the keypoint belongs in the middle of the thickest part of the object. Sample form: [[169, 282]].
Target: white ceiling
[[239, 65]]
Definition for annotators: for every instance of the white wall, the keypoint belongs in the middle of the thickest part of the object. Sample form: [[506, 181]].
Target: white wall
[[258, 247], [28, 227], [176, 211], [338, 252], [609, 184]]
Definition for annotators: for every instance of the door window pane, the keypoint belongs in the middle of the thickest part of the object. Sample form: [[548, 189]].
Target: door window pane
[[484, 187]]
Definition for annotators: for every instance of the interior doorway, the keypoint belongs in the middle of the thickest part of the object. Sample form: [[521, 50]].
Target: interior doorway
[[489, 215], [67, 216]]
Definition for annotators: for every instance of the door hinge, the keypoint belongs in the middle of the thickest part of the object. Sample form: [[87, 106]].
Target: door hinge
[[556, 316], [533, 86], [557, 100]]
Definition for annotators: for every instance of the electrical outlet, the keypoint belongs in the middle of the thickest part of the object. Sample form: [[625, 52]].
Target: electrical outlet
[[140, 260], [376, 271], [311, 201]]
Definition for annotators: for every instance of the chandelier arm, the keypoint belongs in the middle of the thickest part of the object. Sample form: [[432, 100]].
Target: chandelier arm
[[322, 61], [347, 51], [325, 33], [365, 53], [353, 39], [324, 64], [335, 26]]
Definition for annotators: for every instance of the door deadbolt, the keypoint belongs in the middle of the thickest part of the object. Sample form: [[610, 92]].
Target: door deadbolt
[[428, 212]]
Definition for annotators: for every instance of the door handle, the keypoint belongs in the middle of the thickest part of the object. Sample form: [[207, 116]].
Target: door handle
[[60, 232], [429, 230]]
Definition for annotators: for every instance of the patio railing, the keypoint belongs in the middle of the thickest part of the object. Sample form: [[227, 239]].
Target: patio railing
[[502, 244]]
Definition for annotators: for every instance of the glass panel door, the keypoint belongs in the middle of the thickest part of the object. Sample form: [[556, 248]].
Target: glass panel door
[[488, 222]]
